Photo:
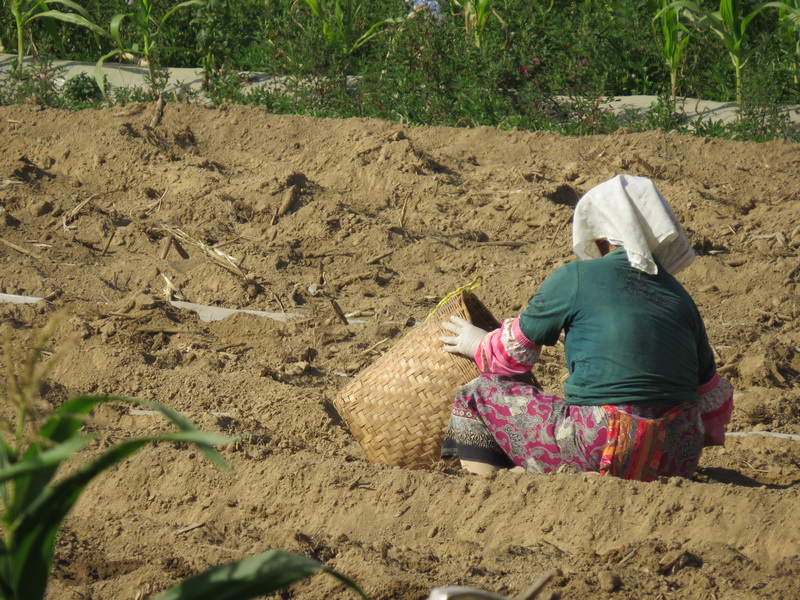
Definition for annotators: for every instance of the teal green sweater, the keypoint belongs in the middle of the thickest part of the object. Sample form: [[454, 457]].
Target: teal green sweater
[[630, 337]]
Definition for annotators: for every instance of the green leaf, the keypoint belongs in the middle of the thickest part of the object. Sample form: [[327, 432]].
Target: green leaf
[[43, 460], [82, 404], [73, 5], [179, 6], [98, 71], [36, 6], [182, 423], [315, 7], [7, 458], [70, 18], [247, 578], [66, 420], [113, 29], [61, 425], [251, 577], [31, 538]]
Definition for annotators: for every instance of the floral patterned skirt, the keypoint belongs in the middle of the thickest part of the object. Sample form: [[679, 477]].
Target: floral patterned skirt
[[500, 421]]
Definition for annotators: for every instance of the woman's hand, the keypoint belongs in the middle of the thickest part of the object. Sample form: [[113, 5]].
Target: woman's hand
[[466, 339]]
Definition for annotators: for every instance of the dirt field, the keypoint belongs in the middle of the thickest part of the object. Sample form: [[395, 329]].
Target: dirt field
[[386, 220]]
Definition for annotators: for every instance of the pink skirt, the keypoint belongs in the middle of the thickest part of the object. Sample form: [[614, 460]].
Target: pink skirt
[[502, 422]]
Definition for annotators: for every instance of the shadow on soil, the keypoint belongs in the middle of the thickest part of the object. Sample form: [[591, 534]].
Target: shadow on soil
[[730, 476]]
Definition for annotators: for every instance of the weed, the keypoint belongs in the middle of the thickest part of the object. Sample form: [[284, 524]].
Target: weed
[[81, 91], [36, 84]]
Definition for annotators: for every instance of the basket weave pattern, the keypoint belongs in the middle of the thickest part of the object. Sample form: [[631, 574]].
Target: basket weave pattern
[[398, 407]]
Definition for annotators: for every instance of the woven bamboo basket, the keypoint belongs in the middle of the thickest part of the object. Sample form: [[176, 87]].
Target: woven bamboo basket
[[398, 407]]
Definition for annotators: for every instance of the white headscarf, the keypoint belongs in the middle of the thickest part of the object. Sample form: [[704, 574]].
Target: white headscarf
[[628, 211]]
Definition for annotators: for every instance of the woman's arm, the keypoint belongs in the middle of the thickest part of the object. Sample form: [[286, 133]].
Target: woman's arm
[[506, 351]]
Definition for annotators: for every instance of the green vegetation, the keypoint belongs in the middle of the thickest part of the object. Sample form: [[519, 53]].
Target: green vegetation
[[529, 64], [36, 497]]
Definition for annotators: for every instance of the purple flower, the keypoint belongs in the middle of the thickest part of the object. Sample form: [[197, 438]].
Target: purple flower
[[432, 6]]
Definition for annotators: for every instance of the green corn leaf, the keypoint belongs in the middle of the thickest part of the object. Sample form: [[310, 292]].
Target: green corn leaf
[[5, 571], [179, 6], [183, 424], [729, 14], [316, 8], [43, 461], [61, 426], [73, 5], [98, 71], [70, 18], [374, 31], [37, 6], [66, 420], [31, 476], [31, 538], [113, 29], [251, 577], [7, 458], [49, 25], [112, 456]]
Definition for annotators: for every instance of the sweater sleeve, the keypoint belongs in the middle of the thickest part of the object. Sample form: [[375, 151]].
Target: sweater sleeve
[[549, 311], [506, 351]]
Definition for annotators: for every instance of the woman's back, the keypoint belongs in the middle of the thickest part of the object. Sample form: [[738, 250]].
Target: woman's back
[[630, 337]]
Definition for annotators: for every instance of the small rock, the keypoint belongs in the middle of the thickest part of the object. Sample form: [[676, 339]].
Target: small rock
[[572, 171], [297, 368], [108, 329], [608, 581], [144, 302]]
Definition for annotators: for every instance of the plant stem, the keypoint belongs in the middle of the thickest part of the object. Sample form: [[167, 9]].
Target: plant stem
[[737, 67], [673, 86], [15, 9]]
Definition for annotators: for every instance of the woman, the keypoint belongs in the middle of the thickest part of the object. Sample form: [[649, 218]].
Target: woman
[[643, 396]]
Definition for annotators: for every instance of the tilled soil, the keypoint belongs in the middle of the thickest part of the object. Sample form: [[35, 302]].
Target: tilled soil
[[286, 214]]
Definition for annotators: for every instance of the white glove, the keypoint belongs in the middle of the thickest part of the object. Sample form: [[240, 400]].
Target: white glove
[[467, 337]]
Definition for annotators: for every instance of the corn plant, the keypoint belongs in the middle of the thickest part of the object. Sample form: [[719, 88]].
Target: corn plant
[[27, 11], [35, 501], [147, 30], [476, 16], [728, 23], [337, 18], [214, 37], [676, 38], [789, 28]]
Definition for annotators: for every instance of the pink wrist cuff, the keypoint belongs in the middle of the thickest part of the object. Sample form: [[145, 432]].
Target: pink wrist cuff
[[520, 337]]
